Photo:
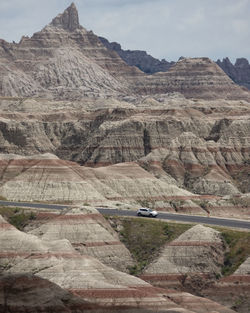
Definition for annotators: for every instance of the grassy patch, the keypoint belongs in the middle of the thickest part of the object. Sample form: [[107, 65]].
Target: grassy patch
[[3, 198], [145, 237], [17, 217], [238, 249]]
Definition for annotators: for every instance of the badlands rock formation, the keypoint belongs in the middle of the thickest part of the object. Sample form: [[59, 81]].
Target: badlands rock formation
[[49, 178], [66, 61], [77, 124], [61, 61], [90, 234], [238, 72], [194, 257], [138, 58], [194, 78], [150, 148], [84, 276], [233, 290]]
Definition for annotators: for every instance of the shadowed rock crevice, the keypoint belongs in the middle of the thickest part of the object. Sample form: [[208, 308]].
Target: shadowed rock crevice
[[218, 128], [146, 142]]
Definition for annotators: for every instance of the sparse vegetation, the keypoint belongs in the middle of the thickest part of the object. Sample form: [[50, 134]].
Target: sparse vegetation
[[2, 198], [204, 204], [241, 201], [145, 237], [239, 302], [146, 204], [17, 217], [238, 249], [176, 204]]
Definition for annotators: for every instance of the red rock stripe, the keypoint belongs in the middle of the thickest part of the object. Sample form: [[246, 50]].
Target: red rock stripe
[[79, 216], [46, 215], [236, 278], [168, 198], [113, 293], [97, 244], [6, 226], [168, 277], [193, 243], [162, 277], [96, 165]]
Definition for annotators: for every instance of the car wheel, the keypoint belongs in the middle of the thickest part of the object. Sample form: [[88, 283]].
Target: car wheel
[[150, 215], [139, 214]]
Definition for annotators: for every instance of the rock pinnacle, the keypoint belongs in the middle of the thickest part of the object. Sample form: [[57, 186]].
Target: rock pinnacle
[[68, 20]]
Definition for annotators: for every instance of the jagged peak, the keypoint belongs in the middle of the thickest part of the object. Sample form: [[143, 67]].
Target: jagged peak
[[67, 20], [241, 62]]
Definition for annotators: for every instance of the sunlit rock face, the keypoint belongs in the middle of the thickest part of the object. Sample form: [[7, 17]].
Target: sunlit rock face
[[90, 234], [57, 262], [199, 252], [63, 60]]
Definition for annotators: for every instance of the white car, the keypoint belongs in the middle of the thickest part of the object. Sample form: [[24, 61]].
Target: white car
[[147, 212]]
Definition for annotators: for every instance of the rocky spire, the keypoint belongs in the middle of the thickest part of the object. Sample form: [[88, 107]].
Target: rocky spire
[[68, 20]]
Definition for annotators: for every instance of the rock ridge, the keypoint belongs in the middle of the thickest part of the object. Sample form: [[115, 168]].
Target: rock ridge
[[238, 72], [68, 20], [138, 58], [65, 61]]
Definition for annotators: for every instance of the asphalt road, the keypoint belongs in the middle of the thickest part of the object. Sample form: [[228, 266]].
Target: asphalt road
[[166, 216]]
